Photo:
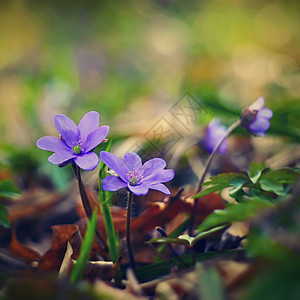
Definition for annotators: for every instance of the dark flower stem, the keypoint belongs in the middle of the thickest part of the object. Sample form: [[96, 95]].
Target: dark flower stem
[[199, 187], [130, 254], [164, 234], [86, 204]]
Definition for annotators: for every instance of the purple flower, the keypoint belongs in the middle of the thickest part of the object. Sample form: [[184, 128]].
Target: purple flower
[[256, 118], [77, 142], [134, 175], [214, 133]]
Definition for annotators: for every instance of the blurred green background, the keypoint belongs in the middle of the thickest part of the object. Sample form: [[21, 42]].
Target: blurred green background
[[132, 60]]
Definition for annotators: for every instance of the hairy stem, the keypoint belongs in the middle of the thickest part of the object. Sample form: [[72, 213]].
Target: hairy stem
[[130, 254], [208, 163], [86, 204]]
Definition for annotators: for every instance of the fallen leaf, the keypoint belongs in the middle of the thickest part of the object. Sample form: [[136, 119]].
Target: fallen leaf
[[20, 250], [52, 259], [104, 270]]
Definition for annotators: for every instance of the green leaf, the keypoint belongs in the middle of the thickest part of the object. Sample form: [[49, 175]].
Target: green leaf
[[234, 213], [86, 247], [185, 239], [239, 195], [210, 284], [207, 233], [255, 171], [237, 184], [166, 240], [258, 192], [222, 181], [270, 185], [181, 228], [4, 221], [260, 244], [210, 190], [224, 178], [283, 176], [8, 189]]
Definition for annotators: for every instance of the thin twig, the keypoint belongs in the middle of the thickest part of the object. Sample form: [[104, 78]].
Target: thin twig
[[199, 187], [176, 196]]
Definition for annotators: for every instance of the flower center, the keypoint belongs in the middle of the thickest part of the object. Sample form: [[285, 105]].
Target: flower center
[[77, 148], [134, 177]]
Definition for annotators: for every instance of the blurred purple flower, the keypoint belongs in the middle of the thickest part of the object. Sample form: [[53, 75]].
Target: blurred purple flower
[[77, 142], [214, 133], [256, 118], [134, 175]]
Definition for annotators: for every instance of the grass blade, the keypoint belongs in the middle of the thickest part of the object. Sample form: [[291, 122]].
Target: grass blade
[[86, 247], [104, 202]]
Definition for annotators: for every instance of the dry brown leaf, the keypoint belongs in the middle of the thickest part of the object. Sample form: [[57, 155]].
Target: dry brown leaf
[[20, 250], [52, 259], [162, 213], [67, 263], [33, 203], [104, 270]]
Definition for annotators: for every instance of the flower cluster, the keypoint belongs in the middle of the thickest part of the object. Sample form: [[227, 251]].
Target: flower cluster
[[76, 143], [255, 118]]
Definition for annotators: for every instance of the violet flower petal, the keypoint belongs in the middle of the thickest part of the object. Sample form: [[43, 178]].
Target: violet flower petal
[[265, 113], [95, 138], [258, 104], [256, 118], [160, 187], [132, 160], [214, 133], [152, 165], [113, 183], [115, 163], [88, 123], [259, 125], [139, 190], [51, 143], [159, 176], [87, 161], [67, 128], [61, 156]]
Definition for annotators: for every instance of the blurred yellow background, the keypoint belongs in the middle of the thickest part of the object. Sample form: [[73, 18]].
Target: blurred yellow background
[[132, 60]]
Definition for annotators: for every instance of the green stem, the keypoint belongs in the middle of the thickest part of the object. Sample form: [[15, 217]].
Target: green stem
[[113, 245], [193, 256], [109, 227], [199, 187], [129, 206], [104, 203]]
